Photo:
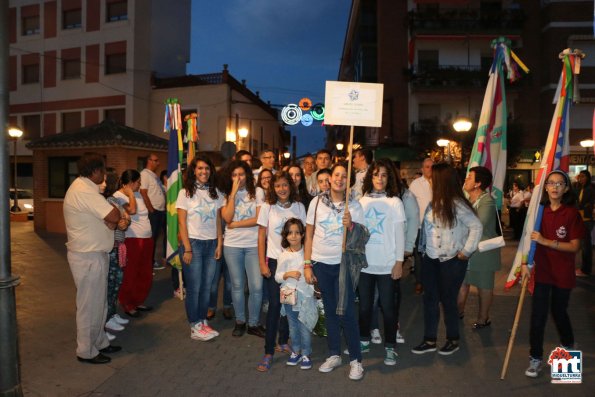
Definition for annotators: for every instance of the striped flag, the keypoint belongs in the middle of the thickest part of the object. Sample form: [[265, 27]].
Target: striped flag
[[489, 148], [556, 157], [173, 126]]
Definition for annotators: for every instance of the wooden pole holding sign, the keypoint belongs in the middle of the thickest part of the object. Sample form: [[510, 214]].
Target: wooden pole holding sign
[[348, 191], [515, 326]]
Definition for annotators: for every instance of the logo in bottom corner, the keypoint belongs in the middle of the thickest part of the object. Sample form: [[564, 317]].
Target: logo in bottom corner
[[566, 365]]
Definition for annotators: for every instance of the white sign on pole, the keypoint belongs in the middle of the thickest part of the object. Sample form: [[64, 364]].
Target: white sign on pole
[[352, 103]]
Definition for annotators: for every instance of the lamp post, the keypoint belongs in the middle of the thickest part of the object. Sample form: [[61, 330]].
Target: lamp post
[[587, 144], [339, 147], [462, 124], [243, 133], [15, 133], [444, 143]]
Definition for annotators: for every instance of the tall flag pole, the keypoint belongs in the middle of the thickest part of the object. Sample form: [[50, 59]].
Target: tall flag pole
[[556, 157], [489, 148], [173, 126]]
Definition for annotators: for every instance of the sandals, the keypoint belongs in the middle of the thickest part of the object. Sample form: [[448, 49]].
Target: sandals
[[285, 348], [487, 323], [265, 364]]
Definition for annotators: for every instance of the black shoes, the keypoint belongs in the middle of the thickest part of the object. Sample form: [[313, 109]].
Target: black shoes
[[478, 325], [424, 347], [98, 359], [257, 331], [239, 330], [449, 348], [143, 308], [110, 349]]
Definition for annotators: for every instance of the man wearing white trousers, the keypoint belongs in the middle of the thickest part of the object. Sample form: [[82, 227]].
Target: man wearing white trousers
[[90, 223]]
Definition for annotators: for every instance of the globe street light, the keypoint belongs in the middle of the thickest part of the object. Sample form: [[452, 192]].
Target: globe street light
[[15, 133], [462, 124], [444, 143], [587, 144], [339, 146]]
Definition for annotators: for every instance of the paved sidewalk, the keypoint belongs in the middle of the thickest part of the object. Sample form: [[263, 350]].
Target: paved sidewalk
[[160, 359]]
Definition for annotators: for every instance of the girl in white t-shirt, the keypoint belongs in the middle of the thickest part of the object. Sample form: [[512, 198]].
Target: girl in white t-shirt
[[240, 245], [385, 219], [281, 204], [322, 255], [138, 273], [199, 218]]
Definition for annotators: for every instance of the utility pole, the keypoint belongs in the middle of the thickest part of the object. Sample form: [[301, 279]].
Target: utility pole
[[10, 379]]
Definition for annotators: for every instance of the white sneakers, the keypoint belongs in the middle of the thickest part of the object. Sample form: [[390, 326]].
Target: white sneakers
[[535, 367], [400, 338], [356, 372], [376, 338], [110, 337], [202, 332], [113, 325], [331, 363], [120, 320]]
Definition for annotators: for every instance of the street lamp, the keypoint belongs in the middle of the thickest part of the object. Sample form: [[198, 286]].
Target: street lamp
[[286, 155], [462, 124], [339, 146], [587, 144], [15, 133], [444, 143]]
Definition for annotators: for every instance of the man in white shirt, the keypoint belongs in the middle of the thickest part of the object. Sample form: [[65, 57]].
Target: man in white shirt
[[90, 222], [323, 161], [422, 190], [267, 158], [308, 167], [153, 194], [362, 158]]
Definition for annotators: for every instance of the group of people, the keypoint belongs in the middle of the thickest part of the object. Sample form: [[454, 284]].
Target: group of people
[[282, 233]]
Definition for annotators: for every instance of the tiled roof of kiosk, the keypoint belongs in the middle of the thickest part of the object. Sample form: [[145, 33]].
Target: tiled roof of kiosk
[[106, 133]]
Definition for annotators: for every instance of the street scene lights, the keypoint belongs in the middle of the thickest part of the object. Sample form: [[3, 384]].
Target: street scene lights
[[15, 133], [587, 144], [443, 143], [463, 125]]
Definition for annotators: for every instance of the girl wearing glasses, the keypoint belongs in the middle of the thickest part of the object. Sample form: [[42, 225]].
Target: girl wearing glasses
[[558, 241]]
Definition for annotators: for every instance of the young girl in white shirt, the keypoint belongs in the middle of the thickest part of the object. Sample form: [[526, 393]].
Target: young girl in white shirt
[[290, 272]]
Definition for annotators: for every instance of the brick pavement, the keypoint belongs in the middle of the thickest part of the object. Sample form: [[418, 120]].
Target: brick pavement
[[160, 359]]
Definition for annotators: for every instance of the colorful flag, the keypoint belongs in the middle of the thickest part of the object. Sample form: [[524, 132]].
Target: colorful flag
[[489, 148], [556, 157], [191, 137], [174, 178]]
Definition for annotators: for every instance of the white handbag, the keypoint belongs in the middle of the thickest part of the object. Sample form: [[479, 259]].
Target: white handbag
[[494, 242]]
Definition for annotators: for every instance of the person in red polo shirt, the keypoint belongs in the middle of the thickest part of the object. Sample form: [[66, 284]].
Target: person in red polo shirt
[[558, 241]]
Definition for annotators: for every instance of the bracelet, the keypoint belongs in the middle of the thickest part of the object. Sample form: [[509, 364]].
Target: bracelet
[[307, 261], [188, 252], [307, 266]]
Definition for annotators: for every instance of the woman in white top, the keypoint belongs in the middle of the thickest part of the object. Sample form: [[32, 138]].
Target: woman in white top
[[322, 255], [138, 273], [281, 204], [240, 245], [385, 219], [199, 218]]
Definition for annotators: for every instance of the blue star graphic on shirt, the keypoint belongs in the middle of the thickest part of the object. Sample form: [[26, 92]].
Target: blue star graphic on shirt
[[375, 221], [332, 226], [206, 210], [244, 210], [279, 227]]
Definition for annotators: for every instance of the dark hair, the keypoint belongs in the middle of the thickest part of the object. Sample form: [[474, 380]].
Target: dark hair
[[401, 183], [446, 191], [271, 195], [162, 175], [146, 159], [483, 176], [259, 181], [344, 165], [285, 231], [226, 181], [323, 171], [391, 185], [568, 198], [587, 174], [241, 153], [112, 182], [130, 175], [302, 190], [321, 151], [367, 153], [190, 180], [89, 163], [266, 151]]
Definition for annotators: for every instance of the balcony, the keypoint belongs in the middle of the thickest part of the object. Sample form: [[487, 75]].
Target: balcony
[[445, 21], [447, 77]]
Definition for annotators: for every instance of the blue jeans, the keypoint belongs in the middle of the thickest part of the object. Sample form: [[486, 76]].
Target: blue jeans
[[198, 276], [328, 282], [301, 337], [158, 222], [221, 270], [274, 321], [385, 287], [243, 262], [442, 281]]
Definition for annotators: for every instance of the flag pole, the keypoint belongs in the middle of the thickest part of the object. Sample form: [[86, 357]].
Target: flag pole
[[515, 325], [348, 191]]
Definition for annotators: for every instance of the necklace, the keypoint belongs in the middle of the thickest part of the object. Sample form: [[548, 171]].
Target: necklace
[[285, 205]]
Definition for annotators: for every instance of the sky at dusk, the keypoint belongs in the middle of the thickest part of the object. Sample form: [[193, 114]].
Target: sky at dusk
[[284, 49]]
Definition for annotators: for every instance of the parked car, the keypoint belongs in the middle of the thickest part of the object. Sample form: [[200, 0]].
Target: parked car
[[25, 197]]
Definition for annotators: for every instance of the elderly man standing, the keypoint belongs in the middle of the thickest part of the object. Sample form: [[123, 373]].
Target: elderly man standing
[[153, 194], [308, 167], [267, 158], [90, 223], [422, 189]]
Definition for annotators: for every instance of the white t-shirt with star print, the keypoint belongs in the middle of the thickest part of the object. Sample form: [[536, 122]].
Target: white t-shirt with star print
[[273, 217], [327, 245], [386, 221], [201, 217], [245, 208]]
